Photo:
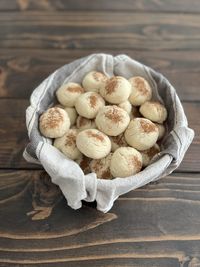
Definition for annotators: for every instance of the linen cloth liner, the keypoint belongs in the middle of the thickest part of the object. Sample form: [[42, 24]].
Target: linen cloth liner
[[66, 173]]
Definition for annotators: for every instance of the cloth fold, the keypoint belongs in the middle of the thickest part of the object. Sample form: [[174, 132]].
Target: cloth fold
[[66, 173]]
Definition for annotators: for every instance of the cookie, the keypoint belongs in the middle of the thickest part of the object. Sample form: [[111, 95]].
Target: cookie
[[161, 130], [154, 111], [93, 143], [126, 161], [116, 90], [93, 81], [126, 105], [141, 91], [88, 104], [67, 144], [68, 93], [72, 115], [141, 133], [54, 122], [112, 120]]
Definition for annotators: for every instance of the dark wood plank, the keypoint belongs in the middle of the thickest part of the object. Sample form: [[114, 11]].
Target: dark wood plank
[[144, 228], [142, 31], [116, 262], [27, 68], [13, 135], [138, 5]]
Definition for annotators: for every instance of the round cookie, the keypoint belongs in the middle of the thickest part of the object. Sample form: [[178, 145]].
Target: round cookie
[[116, 90], [141, 133], [93, 81], [141, 91], [83, 123], [67, 144], [117, 141], [88, 104], [54, 122], [112, 120], [102, 167], [126, 105], [154, 111], [126, 161], [68, 93], [161, 130], [148, 154], [93, 143], [72, 115]]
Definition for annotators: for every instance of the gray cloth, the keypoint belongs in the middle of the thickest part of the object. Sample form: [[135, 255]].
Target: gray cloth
[[66, 173]]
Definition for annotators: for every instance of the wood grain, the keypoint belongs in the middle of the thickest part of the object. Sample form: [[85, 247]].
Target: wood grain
[[29, 67], [137, 5], [98, 29], [13, 135], [162, 232], [156, 225]]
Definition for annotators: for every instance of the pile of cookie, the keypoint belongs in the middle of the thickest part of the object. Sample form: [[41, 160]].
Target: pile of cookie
[[108, 125]]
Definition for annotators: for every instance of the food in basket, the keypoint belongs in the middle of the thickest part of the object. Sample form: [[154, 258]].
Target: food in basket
[[54, 122], [108, 125], [141, 91], [72, 115], [125, 161], [112, 120], [67, 144], [126, 105], [161, 130], [93, 143], [116, 90], [68, 93], [88, 104], [93, 81], [141, 133], [154, 111]]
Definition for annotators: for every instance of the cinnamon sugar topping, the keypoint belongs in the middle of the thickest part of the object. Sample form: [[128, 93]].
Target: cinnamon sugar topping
[[136, 162], [111, 85], [98, 76], [98, 136], [147, 126], [51, 118], [114, 115], [70, 139], [141, 86], [93, 101], [75, 89]]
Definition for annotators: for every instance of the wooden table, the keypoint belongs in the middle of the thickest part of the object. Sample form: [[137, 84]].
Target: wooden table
[[157, 225]]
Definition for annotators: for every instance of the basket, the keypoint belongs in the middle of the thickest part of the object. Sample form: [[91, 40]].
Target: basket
[[66, 173]]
